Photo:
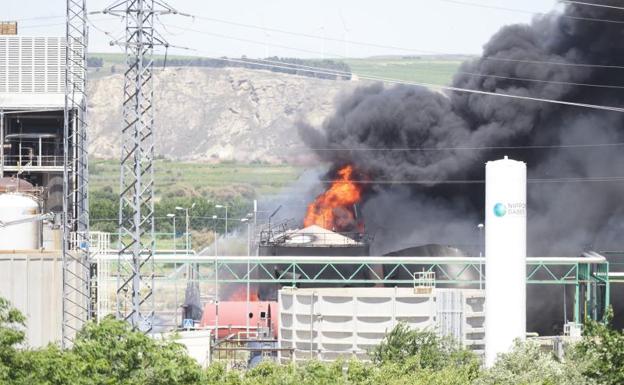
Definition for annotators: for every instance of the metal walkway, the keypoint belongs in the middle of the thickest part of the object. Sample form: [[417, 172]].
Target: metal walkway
[[588, 274]]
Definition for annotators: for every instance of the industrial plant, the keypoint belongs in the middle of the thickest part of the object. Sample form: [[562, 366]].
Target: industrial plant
[[329, 283]]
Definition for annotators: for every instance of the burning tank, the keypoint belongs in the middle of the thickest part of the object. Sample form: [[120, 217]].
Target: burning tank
[[311, 241], [336, 208]]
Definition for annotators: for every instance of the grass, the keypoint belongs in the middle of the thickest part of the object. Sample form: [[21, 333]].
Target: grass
[[178, 176], [438, 71], [427, 69]]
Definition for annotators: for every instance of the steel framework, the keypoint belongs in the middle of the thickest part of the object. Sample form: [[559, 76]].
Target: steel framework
[[588, 274], [77, 267], [135, 275]]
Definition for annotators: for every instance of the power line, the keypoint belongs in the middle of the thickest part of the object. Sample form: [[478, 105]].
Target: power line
[[475, 181], [392, 47], [541, 80], [40, 18], [528, 147], [554, 63], [259, 62], [496, 7], [460, 72], [591, 4]]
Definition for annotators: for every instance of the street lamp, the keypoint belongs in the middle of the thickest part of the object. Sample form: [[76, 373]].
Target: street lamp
[[226, 217], [186, 211], [175, 268], [216, 232], [173, 216], [480, 226], [246, 220], [216, 275]]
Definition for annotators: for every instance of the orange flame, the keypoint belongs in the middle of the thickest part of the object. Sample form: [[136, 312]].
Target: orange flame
[[333, 209], [241, 295]]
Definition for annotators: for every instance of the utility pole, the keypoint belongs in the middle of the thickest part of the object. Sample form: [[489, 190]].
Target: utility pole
[[135, 274], [78, 269]]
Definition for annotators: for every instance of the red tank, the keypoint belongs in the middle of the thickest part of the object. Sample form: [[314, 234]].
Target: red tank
[[233, 316]]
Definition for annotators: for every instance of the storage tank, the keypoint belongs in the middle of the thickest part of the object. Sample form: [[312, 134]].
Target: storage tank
[[505, 253], [23, 236]]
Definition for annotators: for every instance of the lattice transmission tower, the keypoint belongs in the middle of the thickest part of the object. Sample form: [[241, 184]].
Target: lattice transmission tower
[[77, 264], [135, 268]]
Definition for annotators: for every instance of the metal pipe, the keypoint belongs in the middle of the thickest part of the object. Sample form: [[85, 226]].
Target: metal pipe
[[1, 143], [216, 280], [414, 260]]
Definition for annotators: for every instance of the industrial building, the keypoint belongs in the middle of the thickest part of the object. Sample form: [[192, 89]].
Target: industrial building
[[308, 293], [33, 163]]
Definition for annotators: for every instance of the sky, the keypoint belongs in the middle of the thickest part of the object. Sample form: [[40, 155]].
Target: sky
[[333, 28]]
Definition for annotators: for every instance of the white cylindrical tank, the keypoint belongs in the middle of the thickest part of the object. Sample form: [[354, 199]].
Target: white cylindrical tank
[[23, 236], [505, 256]]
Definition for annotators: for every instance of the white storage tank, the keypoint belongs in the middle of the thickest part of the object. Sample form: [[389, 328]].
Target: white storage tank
[[505, 253], [22, 236]]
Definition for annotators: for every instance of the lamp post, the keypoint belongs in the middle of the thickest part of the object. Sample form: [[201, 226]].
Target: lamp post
[[480, 226], [175, 269], [173, 216], [226, 217], [186, 212], [216, 275], [246, 220]]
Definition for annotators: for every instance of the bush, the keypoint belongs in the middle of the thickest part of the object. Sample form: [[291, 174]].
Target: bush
[[425, 348], [111, 353], [12, 334], [601, 352], [527, 364]]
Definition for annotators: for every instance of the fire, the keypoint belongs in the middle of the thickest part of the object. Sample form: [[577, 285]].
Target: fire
[[333, 209], [241, 295]]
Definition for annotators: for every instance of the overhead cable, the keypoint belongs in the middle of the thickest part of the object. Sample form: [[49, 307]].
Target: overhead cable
[[396, 48], [228, 37], [269, 64], [496, 7]]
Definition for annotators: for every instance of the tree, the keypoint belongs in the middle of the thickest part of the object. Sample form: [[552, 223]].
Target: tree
[[601, 351], [94, 61], [425, 348], [527, 364], [111, 353], [12, 324]]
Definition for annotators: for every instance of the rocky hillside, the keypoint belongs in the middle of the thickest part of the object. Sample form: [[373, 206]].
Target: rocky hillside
[[230, 114]]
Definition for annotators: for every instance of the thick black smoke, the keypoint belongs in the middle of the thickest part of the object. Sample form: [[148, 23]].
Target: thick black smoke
[[378, 128]]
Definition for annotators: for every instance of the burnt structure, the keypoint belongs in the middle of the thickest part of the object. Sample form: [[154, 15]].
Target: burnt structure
[[313, 241]]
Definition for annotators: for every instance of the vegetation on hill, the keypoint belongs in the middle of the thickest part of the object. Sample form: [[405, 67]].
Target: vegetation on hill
[[322, 68], [180, 184], [111, 353], [433, 69], [430, 70]]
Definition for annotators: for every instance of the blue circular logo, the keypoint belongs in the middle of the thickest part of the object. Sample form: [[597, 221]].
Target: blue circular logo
[[500, 210]]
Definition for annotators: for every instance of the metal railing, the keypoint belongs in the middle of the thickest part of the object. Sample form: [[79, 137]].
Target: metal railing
[[31, 160], [305, 238]]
